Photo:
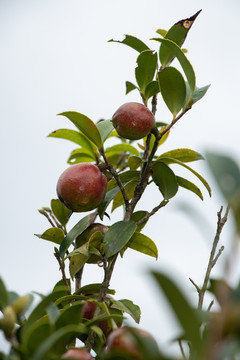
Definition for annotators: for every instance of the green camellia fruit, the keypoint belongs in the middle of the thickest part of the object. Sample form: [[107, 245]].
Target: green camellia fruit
[[82, 187], [133, 121], [122, 341], [78, 354]]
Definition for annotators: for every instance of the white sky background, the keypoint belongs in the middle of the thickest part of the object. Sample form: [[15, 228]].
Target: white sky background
[[55, 57]]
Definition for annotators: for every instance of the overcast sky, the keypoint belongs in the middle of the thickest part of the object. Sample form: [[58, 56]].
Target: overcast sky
[[55, 57]]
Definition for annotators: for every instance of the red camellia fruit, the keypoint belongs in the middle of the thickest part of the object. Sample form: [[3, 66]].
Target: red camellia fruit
[[78, 354], [123, 341], [82, 187], [133, 121], [106, 326]]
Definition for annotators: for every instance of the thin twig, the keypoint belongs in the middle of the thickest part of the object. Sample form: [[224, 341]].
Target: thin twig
[[116, 177], [195, 285], [213, 259], [62, 268], [182, 350], [151, 213]]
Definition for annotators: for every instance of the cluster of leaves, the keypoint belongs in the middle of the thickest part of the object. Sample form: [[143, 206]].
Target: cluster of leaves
[[130, 167]]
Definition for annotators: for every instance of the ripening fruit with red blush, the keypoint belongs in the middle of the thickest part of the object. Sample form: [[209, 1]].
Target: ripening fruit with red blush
[[78, 354], [133, 121], [82, 187]]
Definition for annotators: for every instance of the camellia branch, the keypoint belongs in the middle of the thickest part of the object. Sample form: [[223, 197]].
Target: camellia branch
[[151, 213], [62, 268], [213, 257], [116, 177]]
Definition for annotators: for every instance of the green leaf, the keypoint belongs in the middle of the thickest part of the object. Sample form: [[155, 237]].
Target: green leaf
[[128, 307], [133, 42], [138, 215], [130, 87], [177, 33], [161, 32], [124, 177], [186, 184], [184, 313], [227, 176], [134, 162], [39, 311], [53, 313], [73, 233], [105, 127], [168, 160], [173, 89], [58, 340], [4, 297], [60, 285], [145, 71], [117, 236], [38, 332], [123, 148], [143, 244], [86, 125], [71, 315], [184, 62], [61, 212], [55, 235], [80, 155], [76, 263], [74, 136], [184, 155], [151, 89], [108, 198], [165, 179], [118, 198], [199, 93], [93, 289]]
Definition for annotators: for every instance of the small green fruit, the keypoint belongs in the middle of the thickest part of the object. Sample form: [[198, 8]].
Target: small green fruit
[[133, 121]]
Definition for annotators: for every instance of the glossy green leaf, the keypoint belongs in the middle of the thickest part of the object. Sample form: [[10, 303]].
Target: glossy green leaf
[[165, 179], [184, 62], [105, 128], [123, 148], [124, 177], [74, 136], [134, 162], [57, 341], [86, 125], [184, 155], [108, 198], [60, 211], [151, 89], [173, 89], [146, 68], [39, 311], [138, 215], [143, 244], [184, 313], [4, 297], [80, 155], [73, 233], [70, 315], [55, 235], [38, 332], [60, 285], [94, 289], [53, 313], [130, 87], [133, 42], [117, 236], [199, 93], [186, 184], [226, 173], [161, 32], [167, 160], [177, 33], [128, 307], [76, 263], [118, 198]]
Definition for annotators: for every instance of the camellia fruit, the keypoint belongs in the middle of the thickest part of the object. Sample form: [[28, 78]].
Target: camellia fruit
[[133, 121], [123, 341], [78, 354], [82, 187]]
